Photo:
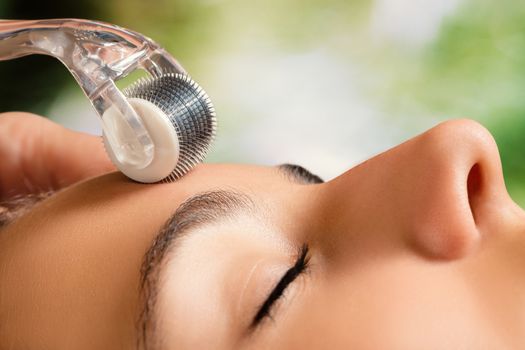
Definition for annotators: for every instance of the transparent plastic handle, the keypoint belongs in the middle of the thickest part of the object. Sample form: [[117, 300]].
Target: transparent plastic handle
[[97, 54]]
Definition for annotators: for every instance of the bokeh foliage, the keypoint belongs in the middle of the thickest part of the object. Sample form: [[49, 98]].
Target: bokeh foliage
[[480, 61], [474, 67]]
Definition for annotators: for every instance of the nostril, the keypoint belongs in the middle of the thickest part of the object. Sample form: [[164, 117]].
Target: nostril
[[474, 187]]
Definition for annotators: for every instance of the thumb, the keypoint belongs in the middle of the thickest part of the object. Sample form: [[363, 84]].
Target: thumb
[[38, 155]]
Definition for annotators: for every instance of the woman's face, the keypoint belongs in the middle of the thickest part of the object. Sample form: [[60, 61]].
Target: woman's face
[[419, 247]]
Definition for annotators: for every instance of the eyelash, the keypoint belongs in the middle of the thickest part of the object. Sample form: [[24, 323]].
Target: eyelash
[[300, 266]]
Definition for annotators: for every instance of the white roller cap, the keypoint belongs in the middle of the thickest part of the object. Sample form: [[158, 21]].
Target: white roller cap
[[164, 136]]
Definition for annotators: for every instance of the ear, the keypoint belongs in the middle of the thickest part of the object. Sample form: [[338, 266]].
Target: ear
[[38, 155]]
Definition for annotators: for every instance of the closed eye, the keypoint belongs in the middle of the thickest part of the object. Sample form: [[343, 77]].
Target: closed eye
[[299, 267]]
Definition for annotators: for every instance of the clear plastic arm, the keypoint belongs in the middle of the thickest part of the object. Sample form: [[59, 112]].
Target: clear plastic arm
[[97, 54]]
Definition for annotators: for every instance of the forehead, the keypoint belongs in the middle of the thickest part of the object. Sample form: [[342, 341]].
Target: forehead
[[247, 177], [83, 247]]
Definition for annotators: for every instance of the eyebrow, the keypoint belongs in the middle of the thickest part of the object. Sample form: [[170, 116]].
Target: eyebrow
[[199, 210], [299, 174]]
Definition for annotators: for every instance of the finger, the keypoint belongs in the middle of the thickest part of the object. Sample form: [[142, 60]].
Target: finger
[[38, 155]]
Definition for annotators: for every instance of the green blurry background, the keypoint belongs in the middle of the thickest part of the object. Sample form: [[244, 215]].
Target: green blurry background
[[322, 83]]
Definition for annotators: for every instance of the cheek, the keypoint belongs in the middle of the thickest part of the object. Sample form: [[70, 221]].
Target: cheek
[[395, 305], [78, 272]]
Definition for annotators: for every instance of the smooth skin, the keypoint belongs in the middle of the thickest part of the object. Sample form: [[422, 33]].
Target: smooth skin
[[419, 247]]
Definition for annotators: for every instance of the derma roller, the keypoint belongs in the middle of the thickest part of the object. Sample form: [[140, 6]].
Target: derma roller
[[155, 130]]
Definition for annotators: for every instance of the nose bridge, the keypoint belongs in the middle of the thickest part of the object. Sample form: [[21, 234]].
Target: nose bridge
[[433, 192]]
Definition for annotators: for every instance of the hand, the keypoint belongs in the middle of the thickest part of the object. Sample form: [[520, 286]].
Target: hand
[[38, 155]]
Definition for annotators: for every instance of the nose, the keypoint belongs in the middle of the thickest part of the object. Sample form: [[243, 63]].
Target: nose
[[439, 193]]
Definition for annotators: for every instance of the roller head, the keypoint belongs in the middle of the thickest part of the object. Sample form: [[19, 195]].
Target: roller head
[[181, 121]]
